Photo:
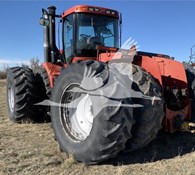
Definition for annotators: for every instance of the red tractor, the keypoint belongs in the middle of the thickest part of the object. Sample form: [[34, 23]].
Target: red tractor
[[101, 99]]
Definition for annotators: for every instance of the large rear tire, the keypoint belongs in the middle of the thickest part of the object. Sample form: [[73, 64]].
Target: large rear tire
[[44, 92], [43, 84], [149, 117], [89, 136], [21, 94]]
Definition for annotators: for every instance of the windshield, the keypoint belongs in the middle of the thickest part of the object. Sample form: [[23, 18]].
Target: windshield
[[93, 30]]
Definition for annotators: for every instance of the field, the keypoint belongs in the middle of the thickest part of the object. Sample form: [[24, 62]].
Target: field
[[30, 149]]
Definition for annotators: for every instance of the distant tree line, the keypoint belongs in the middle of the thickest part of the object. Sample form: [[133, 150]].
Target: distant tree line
[[34, 65]]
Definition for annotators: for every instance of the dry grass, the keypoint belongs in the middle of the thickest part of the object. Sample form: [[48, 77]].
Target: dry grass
[[31, 149]]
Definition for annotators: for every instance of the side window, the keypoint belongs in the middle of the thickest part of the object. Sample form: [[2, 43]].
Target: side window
[[68, 37]]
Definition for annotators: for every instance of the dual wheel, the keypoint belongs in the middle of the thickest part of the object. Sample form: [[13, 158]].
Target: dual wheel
[[100, 109], [24, 90], [104, 109]]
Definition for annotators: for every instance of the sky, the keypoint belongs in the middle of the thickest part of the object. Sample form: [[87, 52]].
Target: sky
[[166, 27]]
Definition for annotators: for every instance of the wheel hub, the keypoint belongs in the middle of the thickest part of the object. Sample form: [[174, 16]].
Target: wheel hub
[[77, 117], [81, 121]]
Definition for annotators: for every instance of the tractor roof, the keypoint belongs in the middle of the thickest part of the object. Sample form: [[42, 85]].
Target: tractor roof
[[91, 9]]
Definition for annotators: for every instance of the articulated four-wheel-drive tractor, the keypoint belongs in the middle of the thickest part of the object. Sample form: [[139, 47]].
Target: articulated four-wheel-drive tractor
[[101, 99]]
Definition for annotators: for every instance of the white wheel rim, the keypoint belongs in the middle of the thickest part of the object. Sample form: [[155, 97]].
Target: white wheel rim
[[78, 123], [82, 120], [11, 99]]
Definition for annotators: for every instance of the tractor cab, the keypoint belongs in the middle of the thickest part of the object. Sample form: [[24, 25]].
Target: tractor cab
[[84, 28]]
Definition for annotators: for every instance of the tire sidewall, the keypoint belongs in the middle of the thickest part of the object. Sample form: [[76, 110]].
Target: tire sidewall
[[10, 82], [68, 145]]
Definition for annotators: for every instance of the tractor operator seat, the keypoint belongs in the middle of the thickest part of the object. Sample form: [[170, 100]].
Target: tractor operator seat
[[88, 42]]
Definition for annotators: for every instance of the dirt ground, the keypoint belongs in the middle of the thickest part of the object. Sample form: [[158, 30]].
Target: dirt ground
[[30, 149]]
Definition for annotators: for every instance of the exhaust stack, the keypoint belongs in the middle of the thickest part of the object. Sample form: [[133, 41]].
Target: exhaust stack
[[44, 21], [51, 52], [52, 34]]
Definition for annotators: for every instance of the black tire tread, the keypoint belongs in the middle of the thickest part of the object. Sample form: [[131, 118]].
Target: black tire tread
[[43, 83], [114, 124], [44, 92], [25, 93], [149, 118]]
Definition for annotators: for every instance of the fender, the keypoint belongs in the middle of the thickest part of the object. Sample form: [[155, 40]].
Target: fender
[[150, 65], [171, 75], [53, 70]]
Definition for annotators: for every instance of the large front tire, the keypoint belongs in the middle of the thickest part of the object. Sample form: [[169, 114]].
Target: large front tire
[[106, 132]]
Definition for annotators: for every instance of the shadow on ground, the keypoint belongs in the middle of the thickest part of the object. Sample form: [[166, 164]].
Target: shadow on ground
[[165, 146]]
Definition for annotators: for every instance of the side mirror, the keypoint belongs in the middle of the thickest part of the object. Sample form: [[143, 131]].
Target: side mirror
[[44, 22]]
